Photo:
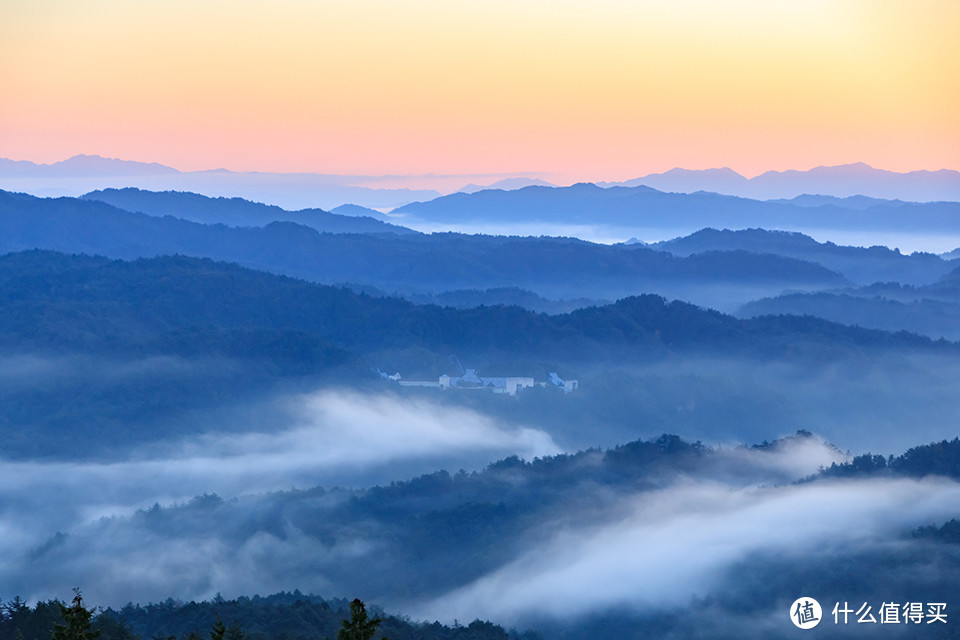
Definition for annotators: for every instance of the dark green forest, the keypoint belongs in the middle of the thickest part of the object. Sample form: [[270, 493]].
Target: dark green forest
[[938, 458], [176, 304], [282, 616]]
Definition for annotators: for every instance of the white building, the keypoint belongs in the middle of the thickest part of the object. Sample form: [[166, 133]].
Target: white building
[[566, 385], [470, 380]]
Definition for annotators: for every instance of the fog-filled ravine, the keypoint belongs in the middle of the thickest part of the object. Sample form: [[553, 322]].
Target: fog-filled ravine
[[554, 437]]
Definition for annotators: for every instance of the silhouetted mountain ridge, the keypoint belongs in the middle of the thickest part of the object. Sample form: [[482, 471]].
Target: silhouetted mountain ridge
[[932, 309], [95, 303], [235, 212], [551, 267], [642, 206], [861, 265], [82, 174], [855, 179]]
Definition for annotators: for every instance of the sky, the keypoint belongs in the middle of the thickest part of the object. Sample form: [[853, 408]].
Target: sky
[[606, 90]]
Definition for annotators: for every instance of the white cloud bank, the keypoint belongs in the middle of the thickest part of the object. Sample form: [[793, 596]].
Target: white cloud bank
[[337, 438], [670, 546]]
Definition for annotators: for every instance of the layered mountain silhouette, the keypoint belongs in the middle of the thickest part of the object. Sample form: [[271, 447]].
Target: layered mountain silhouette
[[550, 267], [586, 203], [84, 173], [121, 305], [932, 309], [858, 264], [507, 184], [84, 166], [641, 206], [357, 210], [236, 212], [192, 334], [856, 179]]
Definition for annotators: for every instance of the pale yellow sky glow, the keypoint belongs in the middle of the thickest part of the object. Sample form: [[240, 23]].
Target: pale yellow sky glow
[[609, 90]]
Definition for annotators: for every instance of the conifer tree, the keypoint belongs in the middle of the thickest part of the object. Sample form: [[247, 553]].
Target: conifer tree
[[234, 632], [77, 618], [218, 631], [359, 627]]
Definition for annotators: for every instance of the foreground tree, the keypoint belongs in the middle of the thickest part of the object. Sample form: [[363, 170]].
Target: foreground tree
[[218, 631], [77, 618], [359, 627]]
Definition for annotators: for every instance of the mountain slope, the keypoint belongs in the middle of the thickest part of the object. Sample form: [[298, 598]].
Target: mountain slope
[[101, 303], [82, 174], [933, 318], [499, 542], [932, 310], [858, 264], [551, 267], [81, 166], [235, 212], [839, 181], [641, 206], [99, 354]]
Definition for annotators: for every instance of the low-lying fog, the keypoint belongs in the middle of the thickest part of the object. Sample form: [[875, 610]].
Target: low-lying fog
[[666, 548], [67, 523], [343, 436], [338, 438], [907, 242]]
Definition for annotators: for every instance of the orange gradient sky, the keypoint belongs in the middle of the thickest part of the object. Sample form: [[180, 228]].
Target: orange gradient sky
[[610, 89]]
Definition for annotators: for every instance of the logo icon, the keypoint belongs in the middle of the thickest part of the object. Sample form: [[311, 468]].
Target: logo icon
[[805, 613]]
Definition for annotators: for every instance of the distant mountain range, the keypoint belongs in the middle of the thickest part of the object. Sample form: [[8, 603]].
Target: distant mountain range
[[84, 173], [646, 207], [413, 263], [919, 293], [857, 179], [491, 297], [932, 309], [357, 210], [858, 203], [858, 264], [508, 184], [925, 316], [721, 269], [83, 166], [750, 272], [158, 304], [236, 212]]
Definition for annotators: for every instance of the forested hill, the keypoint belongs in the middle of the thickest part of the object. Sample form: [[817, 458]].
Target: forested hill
[[195, 335], [642, 206], [236, 212], [555, 267], [281, 615], [937, 458], [861, 265], [440, 531], [183, 304]]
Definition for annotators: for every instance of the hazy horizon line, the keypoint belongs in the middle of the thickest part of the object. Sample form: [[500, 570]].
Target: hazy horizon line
[[480, 174]]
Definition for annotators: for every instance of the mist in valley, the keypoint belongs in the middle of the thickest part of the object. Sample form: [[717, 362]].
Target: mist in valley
[[180, 428], [279, 491]]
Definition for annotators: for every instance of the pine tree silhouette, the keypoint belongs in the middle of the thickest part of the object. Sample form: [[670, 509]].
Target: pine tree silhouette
[[359, 627], [77, 618]]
